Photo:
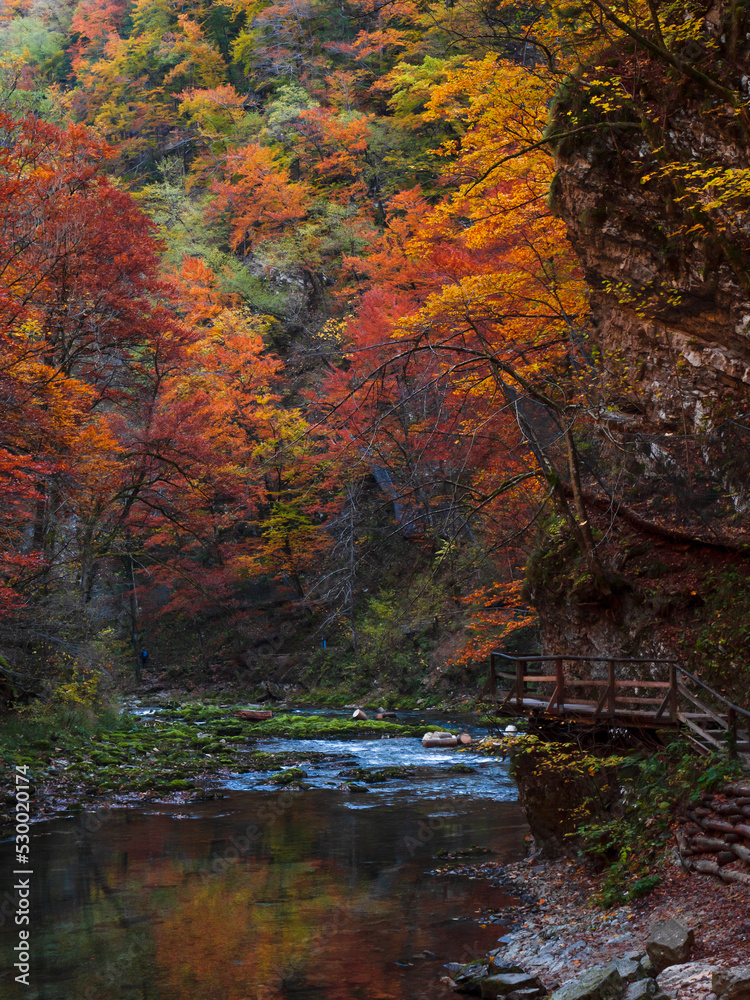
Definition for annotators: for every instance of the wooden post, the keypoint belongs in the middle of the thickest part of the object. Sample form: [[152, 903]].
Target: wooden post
[[611, 688], [560, 679], [732, 733], [520, 686], [673, 692]]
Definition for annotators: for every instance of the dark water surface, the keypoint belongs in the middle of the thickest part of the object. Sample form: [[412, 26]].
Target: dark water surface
[[315, 895]]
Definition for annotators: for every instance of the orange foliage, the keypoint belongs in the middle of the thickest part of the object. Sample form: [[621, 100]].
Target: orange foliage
[[258, 196]]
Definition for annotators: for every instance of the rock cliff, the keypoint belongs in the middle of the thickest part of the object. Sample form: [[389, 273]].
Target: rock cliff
[[669, 273], [653, 183]]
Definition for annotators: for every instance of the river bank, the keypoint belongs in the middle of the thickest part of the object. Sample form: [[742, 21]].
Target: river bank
[[559, 935]]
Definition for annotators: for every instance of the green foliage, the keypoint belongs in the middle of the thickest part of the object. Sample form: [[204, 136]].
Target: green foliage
[[722, 645], [612, 892], [656, 788], [620, 809], [32, 38]]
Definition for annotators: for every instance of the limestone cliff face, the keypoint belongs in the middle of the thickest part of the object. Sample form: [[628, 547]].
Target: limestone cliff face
[[670, 318], [672, 306]]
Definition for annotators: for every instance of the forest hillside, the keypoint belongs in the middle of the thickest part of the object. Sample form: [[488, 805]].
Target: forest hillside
[[342, 343]]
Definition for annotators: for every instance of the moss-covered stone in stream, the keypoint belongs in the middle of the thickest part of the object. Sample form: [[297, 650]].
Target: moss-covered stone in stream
[[261, 760], [377, 777], [293, 776]]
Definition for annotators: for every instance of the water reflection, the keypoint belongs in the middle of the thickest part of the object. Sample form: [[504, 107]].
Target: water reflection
[[258, 896]]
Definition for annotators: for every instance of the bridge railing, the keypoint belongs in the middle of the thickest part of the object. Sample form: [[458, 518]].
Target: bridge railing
[[630, 690]]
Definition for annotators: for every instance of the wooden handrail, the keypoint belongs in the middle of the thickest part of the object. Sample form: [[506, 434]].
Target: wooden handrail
[[592, 659], [614, 701], [719, 697]]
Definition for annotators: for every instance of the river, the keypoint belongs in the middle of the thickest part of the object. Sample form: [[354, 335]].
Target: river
[[321, 894]]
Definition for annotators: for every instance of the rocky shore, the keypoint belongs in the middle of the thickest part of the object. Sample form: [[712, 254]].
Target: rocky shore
[[569, 951]]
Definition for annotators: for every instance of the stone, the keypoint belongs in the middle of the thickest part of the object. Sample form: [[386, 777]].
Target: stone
[[466, 978], [530, 994], [732, 984], [641, 990], [630, 969], [669, 943], [648, 967], [495, 968], [510, 982], [644, 989], [601, 983], [692, 979], [439, 739]]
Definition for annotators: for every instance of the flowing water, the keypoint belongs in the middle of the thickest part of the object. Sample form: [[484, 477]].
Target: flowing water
[[318, 894]]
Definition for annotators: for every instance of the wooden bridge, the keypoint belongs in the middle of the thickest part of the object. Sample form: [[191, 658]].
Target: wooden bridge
[[618, 692]]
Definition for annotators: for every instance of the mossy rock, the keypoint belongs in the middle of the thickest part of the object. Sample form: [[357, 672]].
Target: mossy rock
[[291, 776], [376, 777], [232, 729]]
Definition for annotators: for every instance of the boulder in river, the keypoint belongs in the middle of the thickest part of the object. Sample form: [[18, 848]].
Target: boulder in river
[[439, 740], [669, 943], [469, 978]]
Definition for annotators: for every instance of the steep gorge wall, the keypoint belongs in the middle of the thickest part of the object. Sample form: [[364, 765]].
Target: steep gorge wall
[[674, 306], [670, 317]]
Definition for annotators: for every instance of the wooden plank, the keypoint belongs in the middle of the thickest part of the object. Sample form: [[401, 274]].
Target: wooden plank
[[700, 732], [600, 704], [638, 700], [589, 659], [665, 701], [587, 707], [508, 696], [699, 704], [660, 685], [553, 699]]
